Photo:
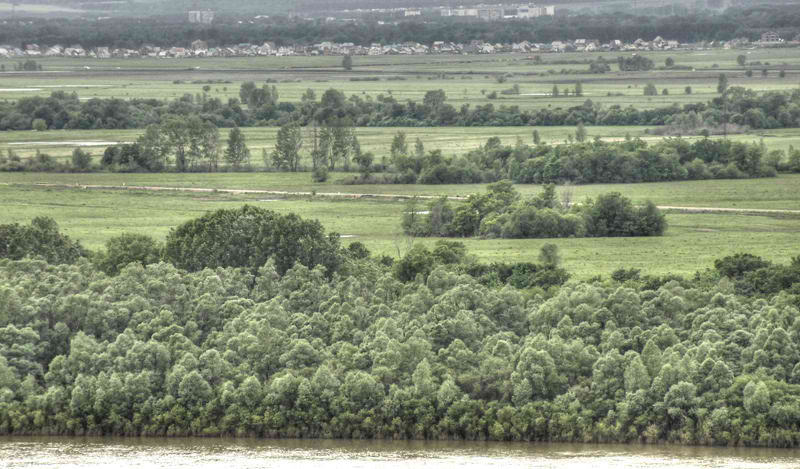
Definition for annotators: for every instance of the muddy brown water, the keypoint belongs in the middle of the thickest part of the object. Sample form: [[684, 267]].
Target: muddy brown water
[[64, 452]]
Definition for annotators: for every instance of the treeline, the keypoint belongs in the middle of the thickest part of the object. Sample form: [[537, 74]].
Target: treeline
[[248, 237], [584, 162], [133, 33], [267, 351], [501, 212], [260, 106]]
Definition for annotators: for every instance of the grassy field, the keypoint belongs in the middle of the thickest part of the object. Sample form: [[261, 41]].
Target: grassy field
[[781, 193], [692, 242], [465, 79]]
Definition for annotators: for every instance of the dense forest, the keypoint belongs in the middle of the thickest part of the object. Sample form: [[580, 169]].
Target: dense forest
[[326, 341], [133, 33]]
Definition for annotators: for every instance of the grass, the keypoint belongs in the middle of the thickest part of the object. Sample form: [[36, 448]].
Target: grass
[[781, 193], [692, 242], [466, 80]]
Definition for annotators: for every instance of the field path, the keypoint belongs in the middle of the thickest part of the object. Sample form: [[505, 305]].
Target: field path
[[348, 195]]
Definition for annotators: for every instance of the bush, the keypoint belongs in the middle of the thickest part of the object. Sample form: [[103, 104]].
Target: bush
[[39, 125], [739, 264], [128, 248], [248, 237], [81, 160], [613, 215], [418, 261], [39, 239], [320, 174], [357, 250]]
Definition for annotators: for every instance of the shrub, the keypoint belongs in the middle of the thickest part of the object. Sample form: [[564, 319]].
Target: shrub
[[320, 173], [81, 160], [129, 248], [418, 261], [39, 239], [247, 237], [39, 125]]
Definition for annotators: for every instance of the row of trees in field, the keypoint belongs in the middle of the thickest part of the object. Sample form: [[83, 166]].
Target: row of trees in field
[[501, 212], [193, 145], [249, 323], [260, 106], [584, 161]]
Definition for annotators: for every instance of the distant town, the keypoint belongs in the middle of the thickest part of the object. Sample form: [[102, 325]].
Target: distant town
[[200, 49]]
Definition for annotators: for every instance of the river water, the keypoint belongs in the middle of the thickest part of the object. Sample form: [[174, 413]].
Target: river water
[[328, 454]]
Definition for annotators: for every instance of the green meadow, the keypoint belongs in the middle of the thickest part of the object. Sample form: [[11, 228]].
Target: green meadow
[[467, 80], [692, 242]]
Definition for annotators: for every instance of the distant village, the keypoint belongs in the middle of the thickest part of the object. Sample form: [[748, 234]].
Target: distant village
[[199, 48]]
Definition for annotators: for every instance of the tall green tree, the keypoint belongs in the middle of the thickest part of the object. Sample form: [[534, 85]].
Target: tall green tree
[[722, 83], [286, 154], [237, 154], [580, 133]]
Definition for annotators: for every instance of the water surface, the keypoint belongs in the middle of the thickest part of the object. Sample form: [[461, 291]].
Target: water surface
[[196, 453]]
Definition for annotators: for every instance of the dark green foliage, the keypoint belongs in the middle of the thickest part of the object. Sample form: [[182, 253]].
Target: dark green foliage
[[599, 67], [722, 83], [237, 154], [633, 160], [195, 115], [753, 275], [635, 63], [613, 215], [358, 250], [127, 248], [248, 237], [501, 213], [320, 174], [81, 160], [623, 275], [39, 239], [417, 261], [739, 264]]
